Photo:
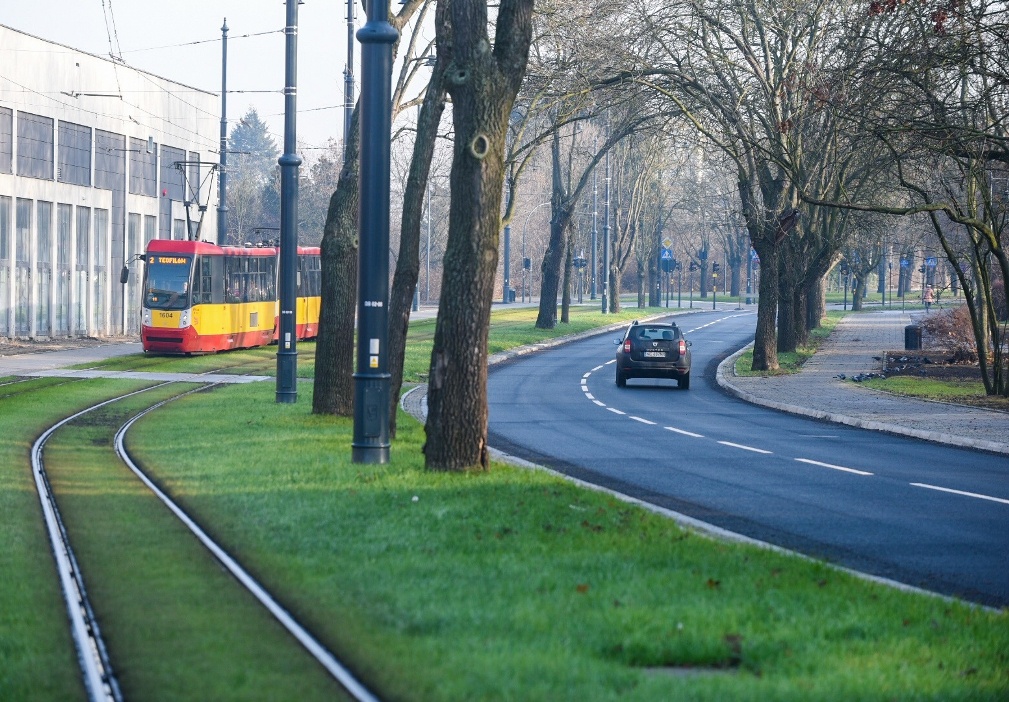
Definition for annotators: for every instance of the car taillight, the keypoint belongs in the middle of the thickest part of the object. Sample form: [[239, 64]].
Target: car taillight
[[627, 346], [683, 347]]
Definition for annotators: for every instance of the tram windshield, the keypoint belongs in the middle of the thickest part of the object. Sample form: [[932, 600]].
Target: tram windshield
[[166, 284]]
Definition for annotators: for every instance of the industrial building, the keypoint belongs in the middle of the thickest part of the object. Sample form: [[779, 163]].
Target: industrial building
[[96, 159]]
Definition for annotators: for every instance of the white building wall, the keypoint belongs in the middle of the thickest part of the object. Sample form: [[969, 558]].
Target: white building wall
[[63, 84]]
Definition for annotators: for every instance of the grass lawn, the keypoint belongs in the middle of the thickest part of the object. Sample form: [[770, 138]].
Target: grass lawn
[[514, 584], [791, 361], [509, 584]]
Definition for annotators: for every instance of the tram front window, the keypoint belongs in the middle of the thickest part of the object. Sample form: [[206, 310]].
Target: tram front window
[[166, 284]]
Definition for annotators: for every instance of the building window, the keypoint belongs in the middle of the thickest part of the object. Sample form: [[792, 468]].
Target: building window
[[143, 168], [5, 228], [35, 146], [44, 253], [110, 159], [150, 229], [74, 154], [179, 230], [6, 140]]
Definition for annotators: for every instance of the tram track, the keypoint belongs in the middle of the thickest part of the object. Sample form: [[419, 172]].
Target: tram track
[[99, 676]]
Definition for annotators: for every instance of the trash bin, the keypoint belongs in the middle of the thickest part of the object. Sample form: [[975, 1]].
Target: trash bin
[[511, 294], [912, 337]]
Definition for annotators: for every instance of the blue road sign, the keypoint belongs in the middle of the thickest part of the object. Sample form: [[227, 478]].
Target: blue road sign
[[904, 263], [667, 255], [931, 261]]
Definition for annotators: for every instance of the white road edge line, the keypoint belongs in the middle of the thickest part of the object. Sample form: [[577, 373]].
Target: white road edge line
[[831, 465], [589, 395], [601, 404], [745, 448], [615, 411], [962, 492], [685, 432]]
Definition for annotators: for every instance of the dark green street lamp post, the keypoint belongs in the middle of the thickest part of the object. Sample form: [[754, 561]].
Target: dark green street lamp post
[[287, 346], [371, 381]]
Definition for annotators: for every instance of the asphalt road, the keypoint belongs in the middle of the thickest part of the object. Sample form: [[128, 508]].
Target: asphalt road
[[890, 506]]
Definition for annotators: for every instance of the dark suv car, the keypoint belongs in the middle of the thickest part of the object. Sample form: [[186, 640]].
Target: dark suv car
[[653, 350]]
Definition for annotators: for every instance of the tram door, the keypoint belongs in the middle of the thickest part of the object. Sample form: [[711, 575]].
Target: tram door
[[22, 269], [5, 256], [44, 268], [62, 311]]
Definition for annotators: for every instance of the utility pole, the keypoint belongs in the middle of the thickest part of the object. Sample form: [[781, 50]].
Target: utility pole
[[222, 182], [606, 226], [287, 348], [348, 78], [371, 381]]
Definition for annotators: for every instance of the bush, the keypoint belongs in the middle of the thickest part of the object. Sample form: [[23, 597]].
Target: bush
[[951, 330]]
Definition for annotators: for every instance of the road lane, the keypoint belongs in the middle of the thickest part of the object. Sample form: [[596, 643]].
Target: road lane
[[849, 495]]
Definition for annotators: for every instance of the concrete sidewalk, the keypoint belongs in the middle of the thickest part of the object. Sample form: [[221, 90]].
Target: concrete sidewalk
[[852, 348]]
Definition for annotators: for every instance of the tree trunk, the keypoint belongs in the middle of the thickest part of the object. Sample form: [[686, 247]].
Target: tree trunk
[[482, 82], [765, 348], [404, 281], [568, 269], [787, 285], [334, 348]]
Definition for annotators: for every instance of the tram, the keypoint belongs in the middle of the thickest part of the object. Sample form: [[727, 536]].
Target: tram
[[202, 298]]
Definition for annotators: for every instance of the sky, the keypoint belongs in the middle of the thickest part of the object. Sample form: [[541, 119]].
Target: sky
[[159, 37]]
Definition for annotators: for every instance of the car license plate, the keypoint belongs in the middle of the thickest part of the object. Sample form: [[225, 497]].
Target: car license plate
[[655, 354]]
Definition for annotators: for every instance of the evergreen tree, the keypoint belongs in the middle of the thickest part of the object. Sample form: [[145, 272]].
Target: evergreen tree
[[251, 149]]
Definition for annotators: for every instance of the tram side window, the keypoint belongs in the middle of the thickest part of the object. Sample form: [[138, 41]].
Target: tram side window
[[316, 275], [202, 280], [233, 280], [270, 277]]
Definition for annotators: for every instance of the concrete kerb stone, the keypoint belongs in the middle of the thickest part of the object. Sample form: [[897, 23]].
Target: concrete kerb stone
[[727, 368]]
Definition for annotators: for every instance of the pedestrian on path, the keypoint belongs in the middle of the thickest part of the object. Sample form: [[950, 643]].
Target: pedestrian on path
[[929, 297]]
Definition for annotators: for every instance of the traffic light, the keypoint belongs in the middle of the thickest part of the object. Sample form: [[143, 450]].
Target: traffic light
[[844, 268], [715, 267], [667, 265]]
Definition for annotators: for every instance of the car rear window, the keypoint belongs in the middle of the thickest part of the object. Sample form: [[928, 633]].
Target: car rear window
[[653, 333]]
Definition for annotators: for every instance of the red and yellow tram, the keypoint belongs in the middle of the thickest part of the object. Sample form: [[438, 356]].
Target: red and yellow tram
[[202, 298]]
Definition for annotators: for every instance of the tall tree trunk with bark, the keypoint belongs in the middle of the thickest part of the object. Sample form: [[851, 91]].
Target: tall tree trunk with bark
[[482, 79], [404, 281], [334, 348]]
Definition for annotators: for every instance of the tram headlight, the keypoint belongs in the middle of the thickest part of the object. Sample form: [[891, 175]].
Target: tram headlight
[[147, 317], [185, 319]]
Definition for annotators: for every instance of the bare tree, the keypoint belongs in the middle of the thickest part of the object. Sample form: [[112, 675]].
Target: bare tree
[[482, 78]]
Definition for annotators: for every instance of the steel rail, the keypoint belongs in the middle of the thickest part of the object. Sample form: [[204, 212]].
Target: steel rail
[[99, 678], [341, 674]]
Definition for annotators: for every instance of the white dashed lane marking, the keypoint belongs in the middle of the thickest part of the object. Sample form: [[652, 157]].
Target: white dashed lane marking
[[744, 447], [961, 492], [643, 421], [832, 466], [685, 432]]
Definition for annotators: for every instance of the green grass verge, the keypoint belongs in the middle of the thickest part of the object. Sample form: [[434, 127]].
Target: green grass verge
[[941, 390], [791, 361], [513, 584]]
